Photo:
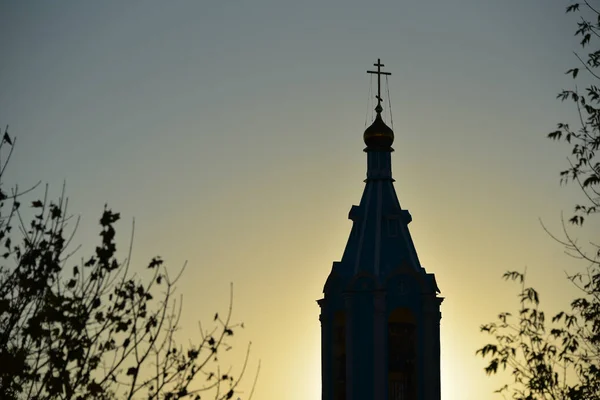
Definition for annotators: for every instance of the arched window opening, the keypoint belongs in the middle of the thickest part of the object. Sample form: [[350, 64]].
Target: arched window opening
[[339, 356], [402, 355]]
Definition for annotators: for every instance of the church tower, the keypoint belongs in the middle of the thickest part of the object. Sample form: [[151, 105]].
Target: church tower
[[380, 314]]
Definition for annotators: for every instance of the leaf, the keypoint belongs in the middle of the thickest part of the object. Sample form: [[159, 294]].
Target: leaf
[[576, 220], [7, 138], [573, 72], [556, 135], [4, 305], [216, 317], [193, 354], [586, 39], [591, 180], [132, 371], [94, 388], [55, 212], [108, 218], [37, 204], [155, 262]]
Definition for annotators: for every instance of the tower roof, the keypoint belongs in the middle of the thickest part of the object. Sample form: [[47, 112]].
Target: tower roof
[[380, 243]]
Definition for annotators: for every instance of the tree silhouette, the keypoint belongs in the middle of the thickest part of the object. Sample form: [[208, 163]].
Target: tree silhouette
[[561, 359], [92, 329]]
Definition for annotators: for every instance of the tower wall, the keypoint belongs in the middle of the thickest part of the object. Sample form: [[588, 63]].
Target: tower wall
[[370, 310]]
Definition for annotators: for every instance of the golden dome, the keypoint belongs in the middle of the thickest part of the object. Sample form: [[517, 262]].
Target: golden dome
[[378, 135]]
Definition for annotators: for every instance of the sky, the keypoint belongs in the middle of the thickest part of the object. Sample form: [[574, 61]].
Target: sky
[[232, 132]]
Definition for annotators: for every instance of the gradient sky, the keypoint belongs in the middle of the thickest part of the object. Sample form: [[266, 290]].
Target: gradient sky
[[232, 132]]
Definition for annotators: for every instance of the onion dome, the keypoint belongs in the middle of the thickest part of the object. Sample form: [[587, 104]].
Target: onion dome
[[378, 136]]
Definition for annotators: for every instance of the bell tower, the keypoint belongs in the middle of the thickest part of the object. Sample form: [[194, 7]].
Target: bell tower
[[380, 313]]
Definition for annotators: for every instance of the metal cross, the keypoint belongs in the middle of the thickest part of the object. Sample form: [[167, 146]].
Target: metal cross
[[379, 73]]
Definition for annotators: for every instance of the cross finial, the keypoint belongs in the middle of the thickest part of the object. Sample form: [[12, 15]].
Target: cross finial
[[379, 73]]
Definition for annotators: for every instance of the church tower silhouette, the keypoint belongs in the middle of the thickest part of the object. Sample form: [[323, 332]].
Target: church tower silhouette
[[380, 314]]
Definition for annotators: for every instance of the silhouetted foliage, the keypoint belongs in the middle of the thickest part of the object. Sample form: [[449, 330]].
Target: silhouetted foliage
[[560, 359], [91, 329], [584, 164], [547, 361]]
